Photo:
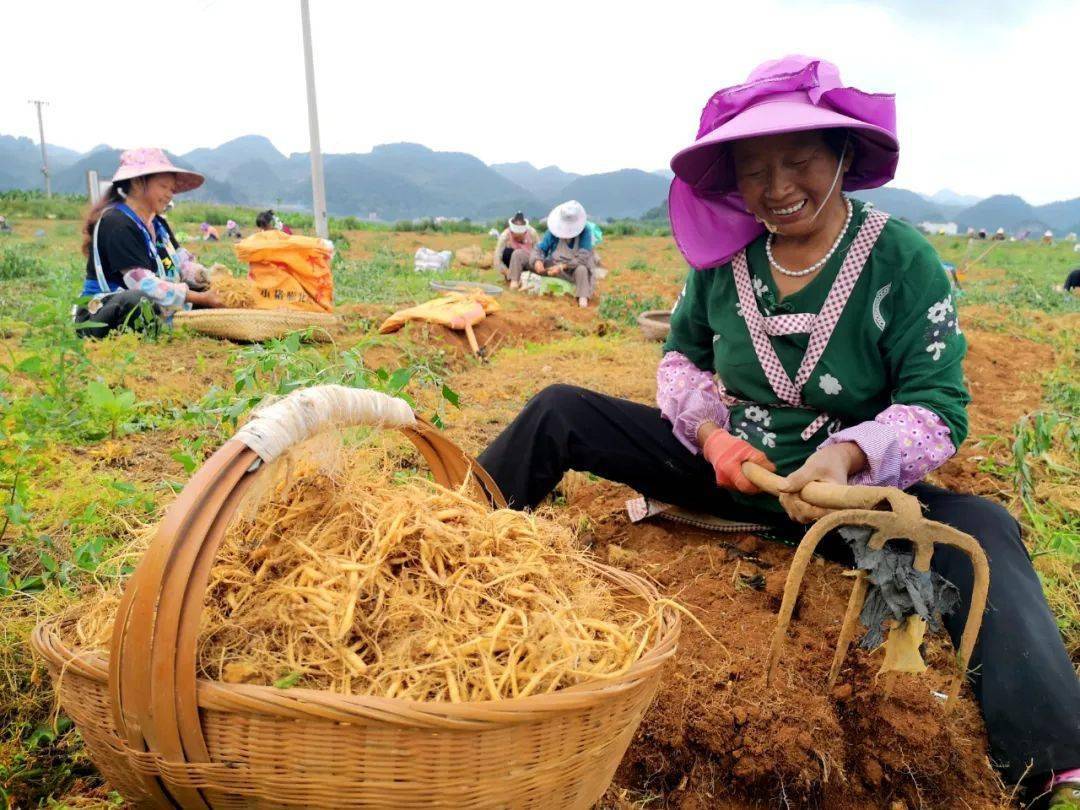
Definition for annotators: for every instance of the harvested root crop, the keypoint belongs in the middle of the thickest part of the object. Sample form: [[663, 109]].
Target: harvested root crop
[[351, 581], [234, 292]]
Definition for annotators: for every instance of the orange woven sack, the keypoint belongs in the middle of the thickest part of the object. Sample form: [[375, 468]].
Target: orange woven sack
[[289, 271]]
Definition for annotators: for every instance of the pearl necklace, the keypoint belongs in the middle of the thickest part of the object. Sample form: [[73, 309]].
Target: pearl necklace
[[818, 264]]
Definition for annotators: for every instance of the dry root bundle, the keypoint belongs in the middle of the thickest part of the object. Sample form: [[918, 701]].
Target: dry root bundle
[[349, 581], [234, 292]]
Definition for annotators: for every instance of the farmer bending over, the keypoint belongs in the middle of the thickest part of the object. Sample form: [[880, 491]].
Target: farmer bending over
[[514, 249], [131, 253], [817, 336], [566, 251]]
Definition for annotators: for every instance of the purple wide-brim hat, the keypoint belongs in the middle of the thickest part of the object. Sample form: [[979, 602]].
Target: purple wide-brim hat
[[794, 94]]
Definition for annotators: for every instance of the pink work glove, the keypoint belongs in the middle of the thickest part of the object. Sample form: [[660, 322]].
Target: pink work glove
[[726, 453]]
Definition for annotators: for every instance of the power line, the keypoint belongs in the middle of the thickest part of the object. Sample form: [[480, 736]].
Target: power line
[[44, 154]]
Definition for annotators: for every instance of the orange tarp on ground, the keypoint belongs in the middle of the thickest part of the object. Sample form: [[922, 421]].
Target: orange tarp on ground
[[453, 309]]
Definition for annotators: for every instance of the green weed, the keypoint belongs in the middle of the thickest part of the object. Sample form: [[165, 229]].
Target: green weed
[[21, 260], [624, 306]]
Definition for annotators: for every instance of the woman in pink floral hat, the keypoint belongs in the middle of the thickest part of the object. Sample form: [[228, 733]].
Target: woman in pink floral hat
[[134, 264], [816, 336]]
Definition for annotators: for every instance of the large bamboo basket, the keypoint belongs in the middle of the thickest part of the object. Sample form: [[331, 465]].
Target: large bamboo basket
[[165, 739]]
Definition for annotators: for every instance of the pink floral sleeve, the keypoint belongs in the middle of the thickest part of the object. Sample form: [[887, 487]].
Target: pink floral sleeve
[[687, 397], [167, 294], [902, 445]]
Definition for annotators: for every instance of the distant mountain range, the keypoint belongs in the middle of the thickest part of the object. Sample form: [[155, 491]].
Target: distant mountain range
[[391, 182], [406, 181], [951, 198], [1006, 211]]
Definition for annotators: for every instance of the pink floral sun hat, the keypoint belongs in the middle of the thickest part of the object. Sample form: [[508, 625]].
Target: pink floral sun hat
[[147, 161], [797, 93]]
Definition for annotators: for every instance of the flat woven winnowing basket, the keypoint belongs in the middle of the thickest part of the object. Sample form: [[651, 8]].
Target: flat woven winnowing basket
[[166, 739], [256, 325]]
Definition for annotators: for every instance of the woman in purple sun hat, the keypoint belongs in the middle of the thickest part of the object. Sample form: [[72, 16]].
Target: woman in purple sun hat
[[818, 337]]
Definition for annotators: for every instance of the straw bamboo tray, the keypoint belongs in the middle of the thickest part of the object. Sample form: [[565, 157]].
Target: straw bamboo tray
[[255, 325], [165, 739]]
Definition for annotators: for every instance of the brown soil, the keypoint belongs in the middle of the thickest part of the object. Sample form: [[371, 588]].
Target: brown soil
[[493, 393], [717, 737], [1003, 373], [145, 460]]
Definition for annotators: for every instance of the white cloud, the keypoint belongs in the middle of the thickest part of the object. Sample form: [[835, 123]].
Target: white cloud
[[984, 91]]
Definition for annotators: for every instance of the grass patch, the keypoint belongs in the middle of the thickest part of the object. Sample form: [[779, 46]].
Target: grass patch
[[22, 260], [388, 277], [622, 306]]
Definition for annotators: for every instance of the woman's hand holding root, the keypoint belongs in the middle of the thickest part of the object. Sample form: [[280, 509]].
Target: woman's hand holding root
[[834, 464], [208, 299]]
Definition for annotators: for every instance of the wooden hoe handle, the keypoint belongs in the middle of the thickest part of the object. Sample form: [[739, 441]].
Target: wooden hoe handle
[[839, 496]]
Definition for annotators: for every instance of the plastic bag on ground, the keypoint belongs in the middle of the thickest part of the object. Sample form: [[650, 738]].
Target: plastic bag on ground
[[428, 259], [545, 285]]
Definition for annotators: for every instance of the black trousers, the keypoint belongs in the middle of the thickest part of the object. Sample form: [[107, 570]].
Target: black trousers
[[1021, 674], [118, 309]]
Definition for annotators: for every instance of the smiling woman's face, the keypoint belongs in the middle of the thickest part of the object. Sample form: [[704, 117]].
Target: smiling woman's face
[[159, 190], [785, 179]]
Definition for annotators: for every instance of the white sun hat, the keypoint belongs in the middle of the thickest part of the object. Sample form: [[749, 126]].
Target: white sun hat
[[567, 220], [515, 227]]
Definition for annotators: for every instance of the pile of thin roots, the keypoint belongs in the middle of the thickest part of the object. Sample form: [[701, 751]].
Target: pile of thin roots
[[358, 582], [234, 292]]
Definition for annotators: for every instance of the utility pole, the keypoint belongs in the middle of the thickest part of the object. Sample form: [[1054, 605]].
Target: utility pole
[[318, 183], [44, 154]]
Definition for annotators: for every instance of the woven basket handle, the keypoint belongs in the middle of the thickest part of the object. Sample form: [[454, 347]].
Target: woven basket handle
[[152, 664]]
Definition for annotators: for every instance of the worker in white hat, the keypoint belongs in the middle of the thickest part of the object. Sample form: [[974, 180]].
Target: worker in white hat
[[566, 251]]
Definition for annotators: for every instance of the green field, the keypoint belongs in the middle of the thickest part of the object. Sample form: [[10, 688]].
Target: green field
[[97, 437]]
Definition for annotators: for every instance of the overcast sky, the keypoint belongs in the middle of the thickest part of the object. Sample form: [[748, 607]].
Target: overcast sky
[[986, 91]]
